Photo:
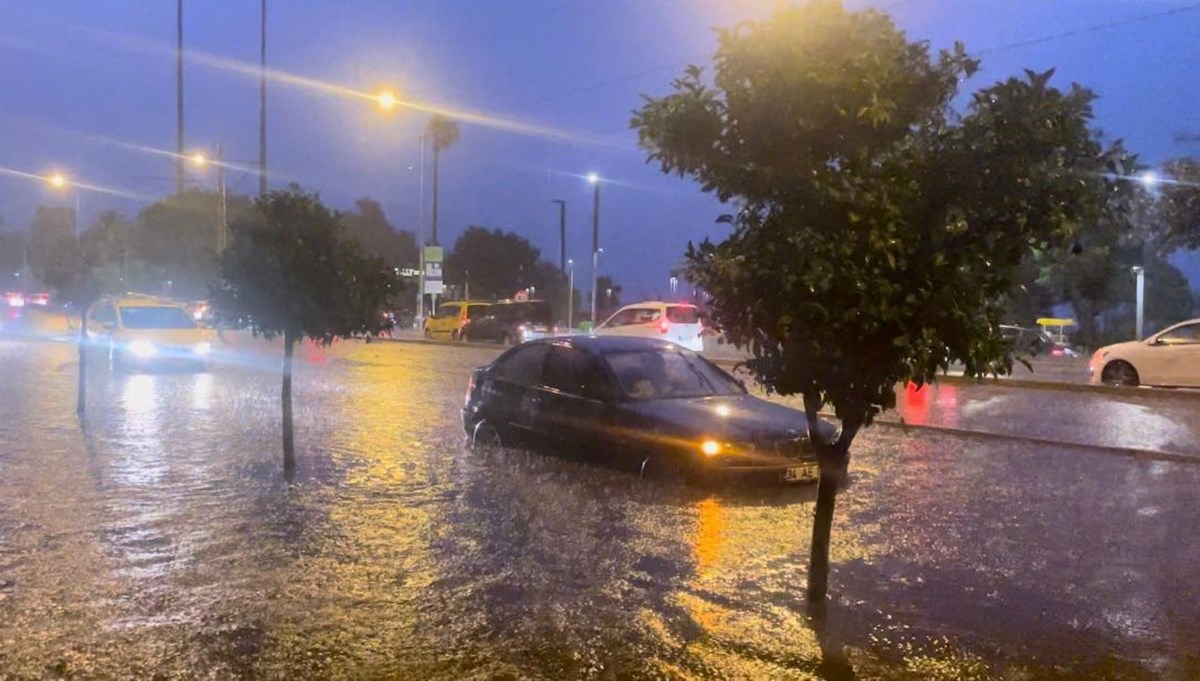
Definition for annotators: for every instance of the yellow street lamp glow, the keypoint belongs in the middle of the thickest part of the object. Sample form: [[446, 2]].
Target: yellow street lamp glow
[[710, 448], [387, 100], [199, 159], [57, 181]]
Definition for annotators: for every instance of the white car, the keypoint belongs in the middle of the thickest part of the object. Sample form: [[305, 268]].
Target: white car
[[675, 322], [1168, 358]]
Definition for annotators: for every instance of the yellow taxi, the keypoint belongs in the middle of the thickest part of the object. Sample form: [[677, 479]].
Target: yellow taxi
[[449, 319], [144, 332]]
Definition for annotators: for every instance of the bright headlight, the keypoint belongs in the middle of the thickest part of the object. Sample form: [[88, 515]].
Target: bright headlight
[[143, 348], [710, 448], [203, 348]]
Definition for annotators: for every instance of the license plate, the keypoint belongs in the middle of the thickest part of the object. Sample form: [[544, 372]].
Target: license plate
[[803, 473]]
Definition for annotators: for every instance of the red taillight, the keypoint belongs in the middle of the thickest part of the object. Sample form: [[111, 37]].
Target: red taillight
[[663, 325], [470, 389]]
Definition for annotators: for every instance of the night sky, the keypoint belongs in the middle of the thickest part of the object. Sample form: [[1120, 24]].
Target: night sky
[[84, 79]]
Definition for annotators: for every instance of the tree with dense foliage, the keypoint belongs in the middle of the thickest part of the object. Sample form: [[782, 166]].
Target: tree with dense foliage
[[1179, 204], [443, 133], [290, 271], [176, 240], [876, 229], [368, 225], [493, 263], [53, 251]]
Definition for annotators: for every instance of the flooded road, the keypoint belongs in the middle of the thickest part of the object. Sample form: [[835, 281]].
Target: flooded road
[[162, 539]]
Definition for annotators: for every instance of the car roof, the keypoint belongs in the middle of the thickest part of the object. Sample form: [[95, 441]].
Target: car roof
[[606, 344], [659, 303], [139, 300]]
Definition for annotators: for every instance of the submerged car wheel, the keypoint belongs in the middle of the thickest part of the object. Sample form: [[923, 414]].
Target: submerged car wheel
[[1120, 374], [485, 437]]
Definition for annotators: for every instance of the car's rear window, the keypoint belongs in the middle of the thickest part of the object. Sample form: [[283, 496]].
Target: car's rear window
[[683, 314], [154, 317], [665, 374], [535, 313]]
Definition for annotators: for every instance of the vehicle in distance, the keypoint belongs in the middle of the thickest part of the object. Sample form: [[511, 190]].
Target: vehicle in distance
[[144, 332], [1026, 342], [679, 323], [639, 403], [1169, 358], [449, 319], [511, 321]]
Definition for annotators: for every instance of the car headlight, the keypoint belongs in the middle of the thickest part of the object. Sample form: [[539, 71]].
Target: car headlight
[[143, 348], [203, 348], [710, 448]]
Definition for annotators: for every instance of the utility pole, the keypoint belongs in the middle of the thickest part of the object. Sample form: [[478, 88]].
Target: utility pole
[[179, 159], [262, 104], [1140, 273], [223, 206], [595, 243], [562, 235]]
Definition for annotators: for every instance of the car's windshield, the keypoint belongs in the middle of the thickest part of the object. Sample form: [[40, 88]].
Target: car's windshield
[[156, 317], [663, 373]]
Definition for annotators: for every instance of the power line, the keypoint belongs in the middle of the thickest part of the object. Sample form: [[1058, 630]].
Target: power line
[[1090, 29], [996, 48]]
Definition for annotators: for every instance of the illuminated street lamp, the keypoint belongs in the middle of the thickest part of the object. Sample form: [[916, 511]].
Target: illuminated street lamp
[[59, 181], [387, 100], [200, 160]]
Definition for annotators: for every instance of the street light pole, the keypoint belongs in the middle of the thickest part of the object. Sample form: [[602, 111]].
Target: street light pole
[[571, 295], [1140, 273], [595, 180], [223, 206], [562, 235]]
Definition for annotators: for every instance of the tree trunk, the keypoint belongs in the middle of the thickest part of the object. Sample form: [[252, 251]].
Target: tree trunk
[[81, 394], [818, 561], [436, 153], [289, 444]]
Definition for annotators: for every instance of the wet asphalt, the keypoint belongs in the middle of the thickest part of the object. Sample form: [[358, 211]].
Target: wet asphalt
[[159, 538]]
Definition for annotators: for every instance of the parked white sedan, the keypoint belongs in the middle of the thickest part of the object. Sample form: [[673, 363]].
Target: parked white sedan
[[1168, 358], [675, 322]]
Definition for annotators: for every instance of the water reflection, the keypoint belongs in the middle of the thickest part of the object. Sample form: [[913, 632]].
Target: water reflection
[[166, 541]]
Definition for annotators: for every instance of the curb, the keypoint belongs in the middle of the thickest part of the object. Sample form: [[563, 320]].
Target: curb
[[1131, 452], [953, 379]]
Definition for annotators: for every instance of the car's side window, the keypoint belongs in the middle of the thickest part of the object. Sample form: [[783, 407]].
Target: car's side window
[[523, 367], [104, 314], [622, 318], [1184, 334], [477, 311], [576, 373], [645, 315]]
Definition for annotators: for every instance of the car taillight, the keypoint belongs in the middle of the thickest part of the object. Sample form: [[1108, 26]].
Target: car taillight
[[470, 389], [663, 325]]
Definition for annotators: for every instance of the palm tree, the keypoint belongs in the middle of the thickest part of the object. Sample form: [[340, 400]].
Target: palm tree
[[444, 133]]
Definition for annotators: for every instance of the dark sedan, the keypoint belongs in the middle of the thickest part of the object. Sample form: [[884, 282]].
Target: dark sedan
[[638, 402]]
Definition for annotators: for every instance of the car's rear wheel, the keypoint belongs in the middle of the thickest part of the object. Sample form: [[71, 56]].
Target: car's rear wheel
[[428, 334], [1120, 374], [454, 335]]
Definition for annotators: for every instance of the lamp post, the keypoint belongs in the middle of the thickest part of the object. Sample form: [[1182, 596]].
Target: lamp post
[[594, 179], [1140, 274], [200, 161], [562, 235], [570, 294], [59, 181]]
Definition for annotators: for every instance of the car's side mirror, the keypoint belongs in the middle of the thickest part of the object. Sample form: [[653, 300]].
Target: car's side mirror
[[1154, 340]]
